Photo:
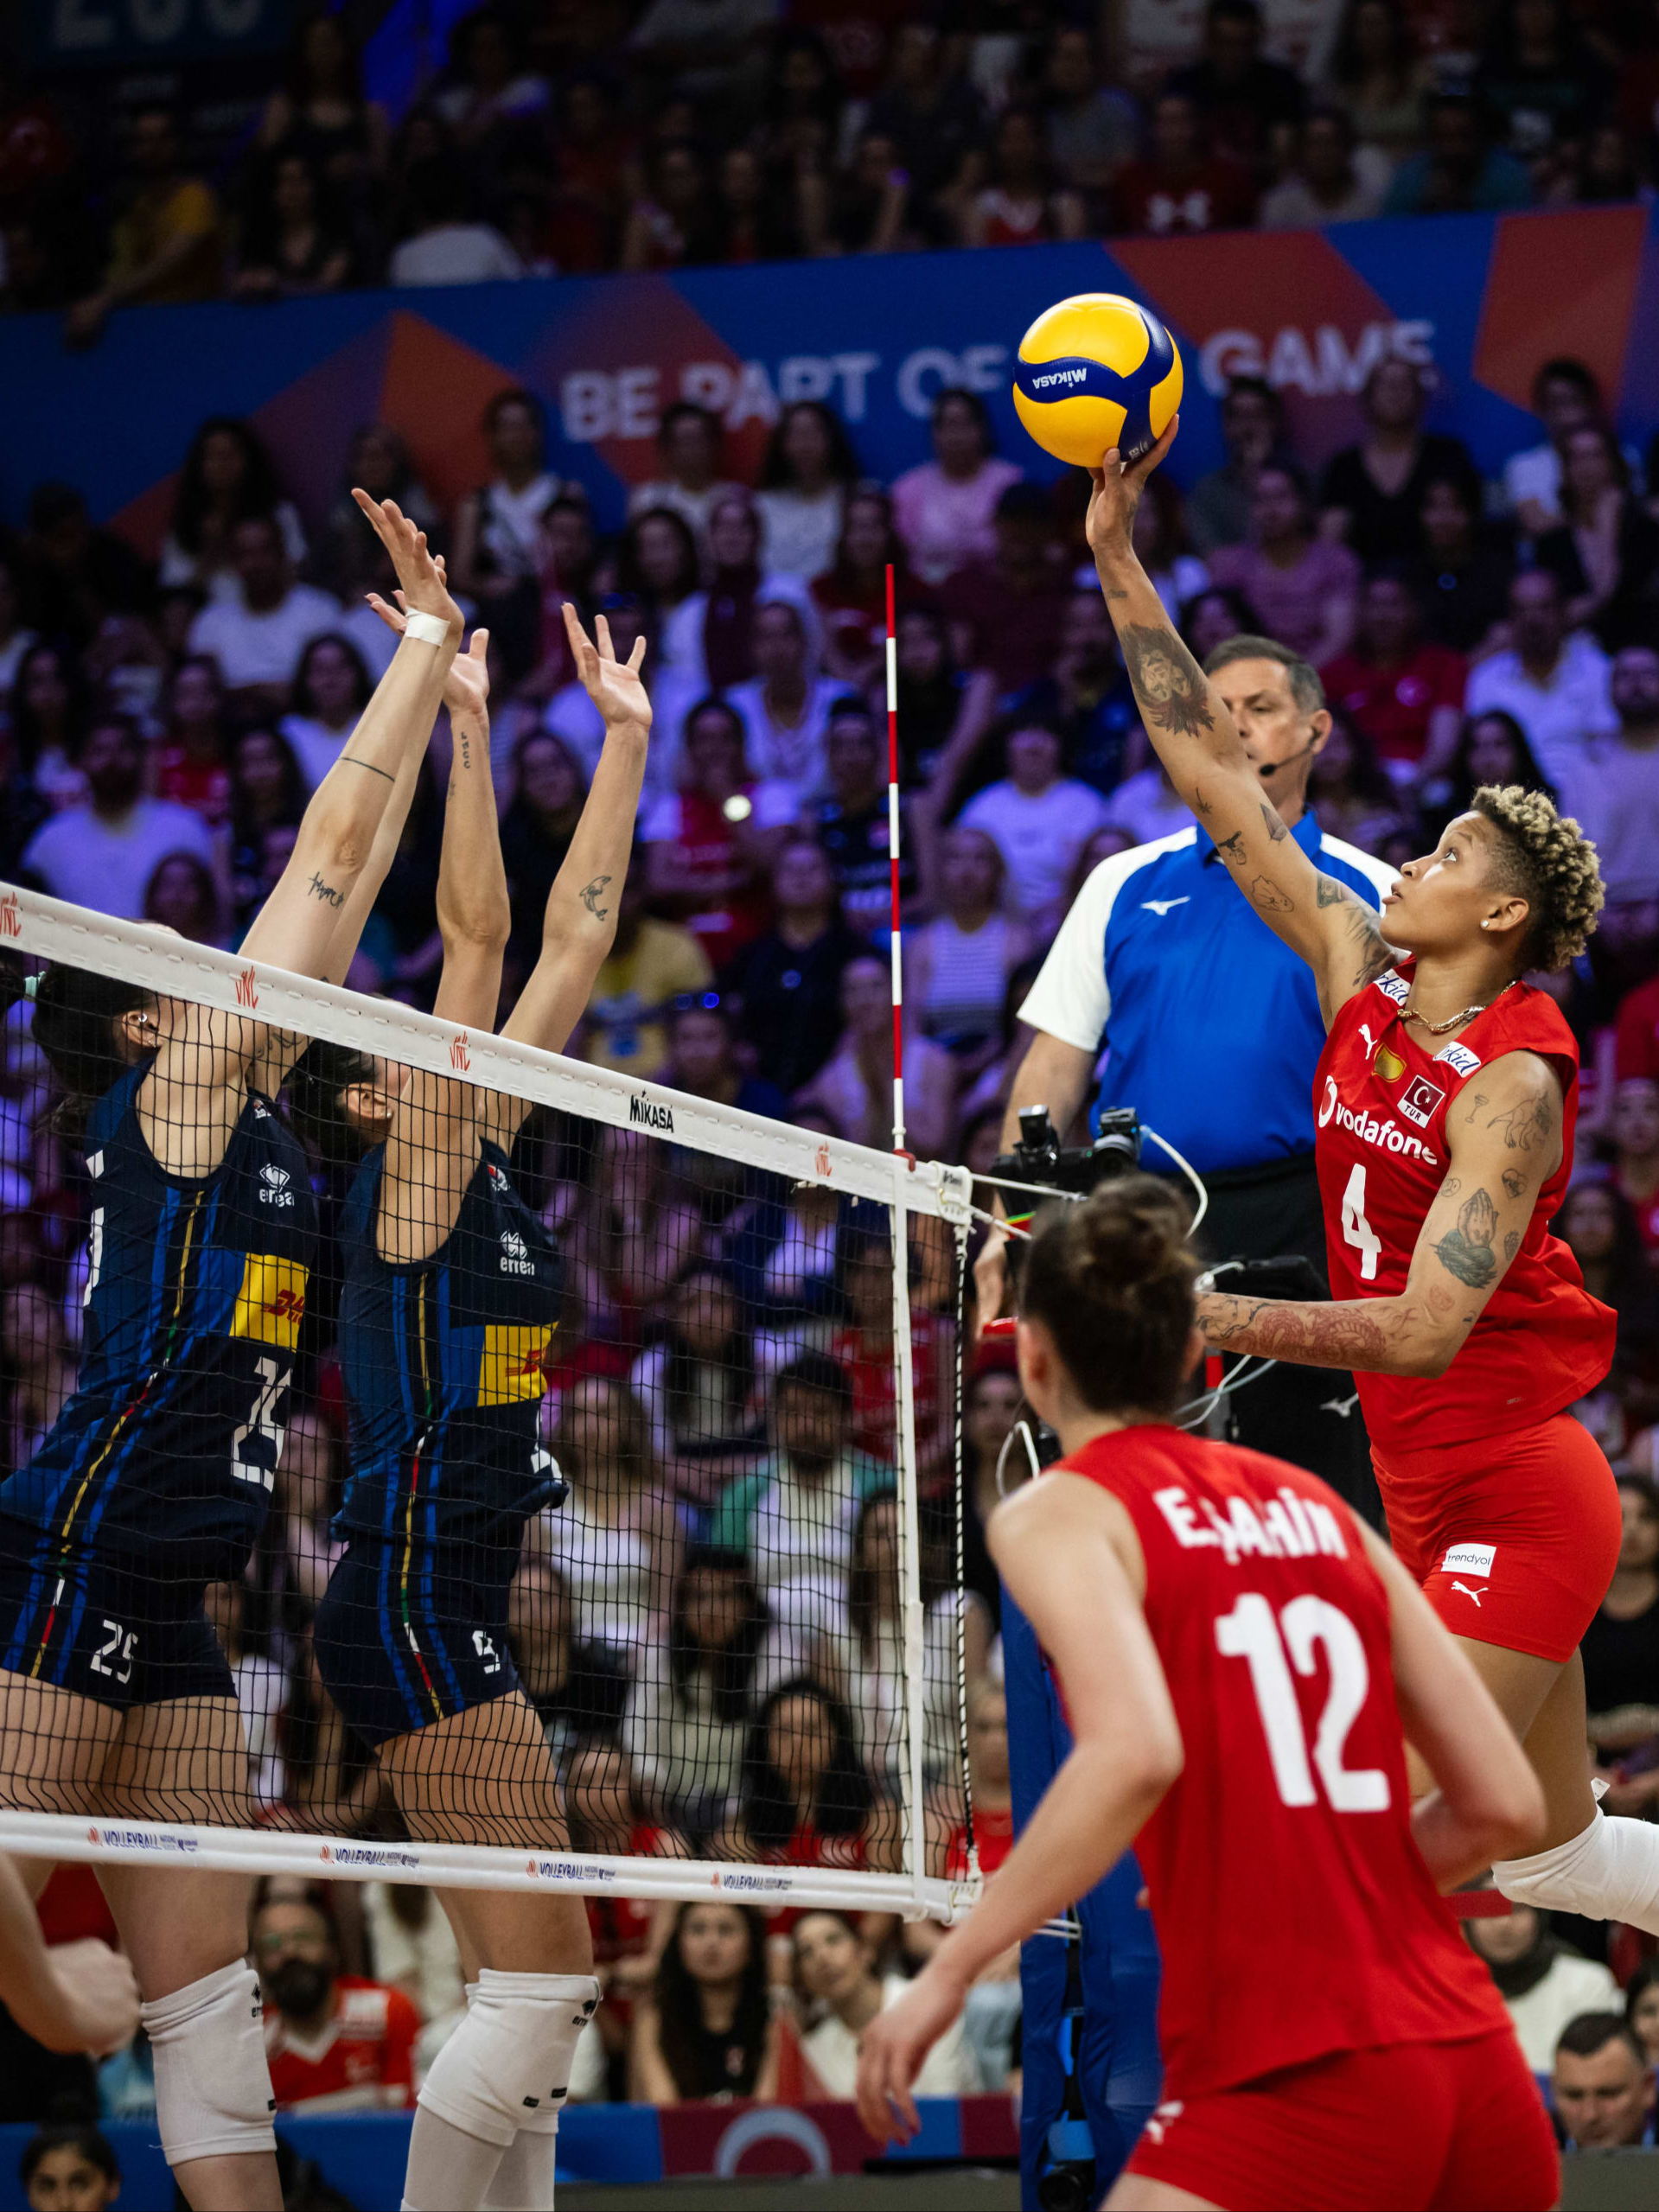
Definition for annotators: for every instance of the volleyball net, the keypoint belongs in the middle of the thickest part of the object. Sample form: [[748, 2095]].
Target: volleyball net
[[452, 1462]]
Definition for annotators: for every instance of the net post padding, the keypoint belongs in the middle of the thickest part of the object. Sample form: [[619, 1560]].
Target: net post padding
[[49, 929], [472, 1866]]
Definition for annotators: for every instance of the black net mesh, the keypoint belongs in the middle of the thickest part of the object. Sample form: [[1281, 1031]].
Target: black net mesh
[[389, 1454]]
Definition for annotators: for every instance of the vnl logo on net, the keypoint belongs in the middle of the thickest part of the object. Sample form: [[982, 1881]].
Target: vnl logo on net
[[567, 1869]]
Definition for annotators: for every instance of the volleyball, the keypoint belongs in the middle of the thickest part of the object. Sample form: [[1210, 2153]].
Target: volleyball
[[1094, 372]]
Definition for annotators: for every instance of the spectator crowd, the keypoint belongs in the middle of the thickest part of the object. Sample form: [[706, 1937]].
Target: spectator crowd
[[676, 134], [711, 1628]]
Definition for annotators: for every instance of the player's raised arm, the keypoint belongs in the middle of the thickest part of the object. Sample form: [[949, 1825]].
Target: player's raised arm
[[1195, 738], [1505, 1142], [580, 924], [297, 927]]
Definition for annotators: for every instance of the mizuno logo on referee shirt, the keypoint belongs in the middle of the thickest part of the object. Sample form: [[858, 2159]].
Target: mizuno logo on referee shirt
[[1161, 907]]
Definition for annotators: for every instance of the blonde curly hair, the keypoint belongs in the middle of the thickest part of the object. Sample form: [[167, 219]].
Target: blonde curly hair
[[1552, 865]]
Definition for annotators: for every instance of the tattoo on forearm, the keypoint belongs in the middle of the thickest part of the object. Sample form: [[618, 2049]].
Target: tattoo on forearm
[[1232, 849], [352, 761], [465, 752], [1202, 805], [1340, 1335], [1467, 1251], [326, 892], [1511, 1246], [1276, 829], [1270, 898], [590, 898], [1513, 1182], [1329, 892], [1167, 680]]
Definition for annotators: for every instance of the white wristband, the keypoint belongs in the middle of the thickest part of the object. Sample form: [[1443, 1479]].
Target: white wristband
[[430, 629]]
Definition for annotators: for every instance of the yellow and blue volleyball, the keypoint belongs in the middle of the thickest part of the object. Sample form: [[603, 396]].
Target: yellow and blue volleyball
[[1094, 372]]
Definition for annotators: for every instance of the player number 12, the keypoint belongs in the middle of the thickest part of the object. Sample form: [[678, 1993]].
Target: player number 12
[[1251, 1633]]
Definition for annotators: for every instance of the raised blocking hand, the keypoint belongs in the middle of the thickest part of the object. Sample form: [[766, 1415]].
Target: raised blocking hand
[[615, 686]]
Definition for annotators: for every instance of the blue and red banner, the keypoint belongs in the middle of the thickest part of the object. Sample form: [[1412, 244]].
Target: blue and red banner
[[1481, 300], [363, 2154]]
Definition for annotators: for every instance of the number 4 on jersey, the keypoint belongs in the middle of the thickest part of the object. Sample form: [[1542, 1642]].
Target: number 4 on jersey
[[1250, 1632], [1356, 1230]]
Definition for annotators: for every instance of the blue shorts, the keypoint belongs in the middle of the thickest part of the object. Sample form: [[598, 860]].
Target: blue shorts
[[102, 1628], [403, 1640]]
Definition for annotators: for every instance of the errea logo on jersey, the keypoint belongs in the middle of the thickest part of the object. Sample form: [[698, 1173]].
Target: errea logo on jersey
[[515, 1255], [1386, 1136], [276, 1180]]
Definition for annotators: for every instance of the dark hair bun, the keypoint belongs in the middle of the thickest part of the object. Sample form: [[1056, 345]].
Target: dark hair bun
[[1111, 1279]]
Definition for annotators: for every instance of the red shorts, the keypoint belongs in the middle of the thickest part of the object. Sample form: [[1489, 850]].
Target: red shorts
[[1514, 1539], [1420, 2127]]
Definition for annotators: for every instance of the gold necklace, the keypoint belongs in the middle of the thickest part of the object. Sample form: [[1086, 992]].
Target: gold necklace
[[1440, 1028]]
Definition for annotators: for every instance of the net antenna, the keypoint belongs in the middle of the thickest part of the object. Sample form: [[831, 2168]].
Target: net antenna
[[896, 942], [605, 1116]]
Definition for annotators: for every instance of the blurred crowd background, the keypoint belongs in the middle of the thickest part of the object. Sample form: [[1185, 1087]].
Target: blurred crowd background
[[565, 135]]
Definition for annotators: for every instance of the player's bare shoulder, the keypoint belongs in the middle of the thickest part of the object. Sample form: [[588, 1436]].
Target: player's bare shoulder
[[1514, 1106]]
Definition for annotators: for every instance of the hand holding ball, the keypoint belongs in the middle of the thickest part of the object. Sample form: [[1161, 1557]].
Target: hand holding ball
[[1094, 372]]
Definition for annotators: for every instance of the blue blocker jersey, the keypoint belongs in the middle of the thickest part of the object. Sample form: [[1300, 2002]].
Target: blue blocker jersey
[[165, 1457], [443, 1362]]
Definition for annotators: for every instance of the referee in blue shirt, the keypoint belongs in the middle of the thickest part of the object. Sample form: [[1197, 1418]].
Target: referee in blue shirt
[[1212, 1030]]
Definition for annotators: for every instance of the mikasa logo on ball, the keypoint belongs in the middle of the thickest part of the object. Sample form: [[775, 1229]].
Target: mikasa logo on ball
[[1060, 376]]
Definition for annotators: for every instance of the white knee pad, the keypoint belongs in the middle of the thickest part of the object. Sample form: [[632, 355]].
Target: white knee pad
[[213, 2086], [507, 2066], [1608, 1870]]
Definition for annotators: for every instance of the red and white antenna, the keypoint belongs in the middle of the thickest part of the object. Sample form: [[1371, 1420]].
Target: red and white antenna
[[897, 956]]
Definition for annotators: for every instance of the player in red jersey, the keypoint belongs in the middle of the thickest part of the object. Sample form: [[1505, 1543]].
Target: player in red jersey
[[1445, 1108], [1237, 1655]]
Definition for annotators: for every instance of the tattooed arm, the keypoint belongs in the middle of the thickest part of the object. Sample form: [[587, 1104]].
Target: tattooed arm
[[1335, 932], [581, 920], [1504, 1137]]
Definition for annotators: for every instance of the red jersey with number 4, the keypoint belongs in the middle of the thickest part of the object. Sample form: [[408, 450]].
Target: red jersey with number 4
[[1380, 1101], [1295, 1916]]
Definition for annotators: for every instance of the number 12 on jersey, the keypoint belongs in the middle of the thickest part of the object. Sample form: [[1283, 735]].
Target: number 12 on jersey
[[1251, 1633]]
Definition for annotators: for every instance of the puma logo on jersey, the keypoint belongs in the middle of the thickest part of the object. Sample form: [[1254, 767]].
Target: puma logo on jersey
[[276, 1180], [515, 1255], [1466, 1590], [1370, 1042], [1161, 2118], [1161, 907]]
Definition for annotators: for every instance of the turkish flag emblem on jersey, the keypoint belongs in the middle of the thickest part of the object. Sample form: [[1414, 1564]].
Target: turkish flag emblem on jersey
[[1419, 1100]]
